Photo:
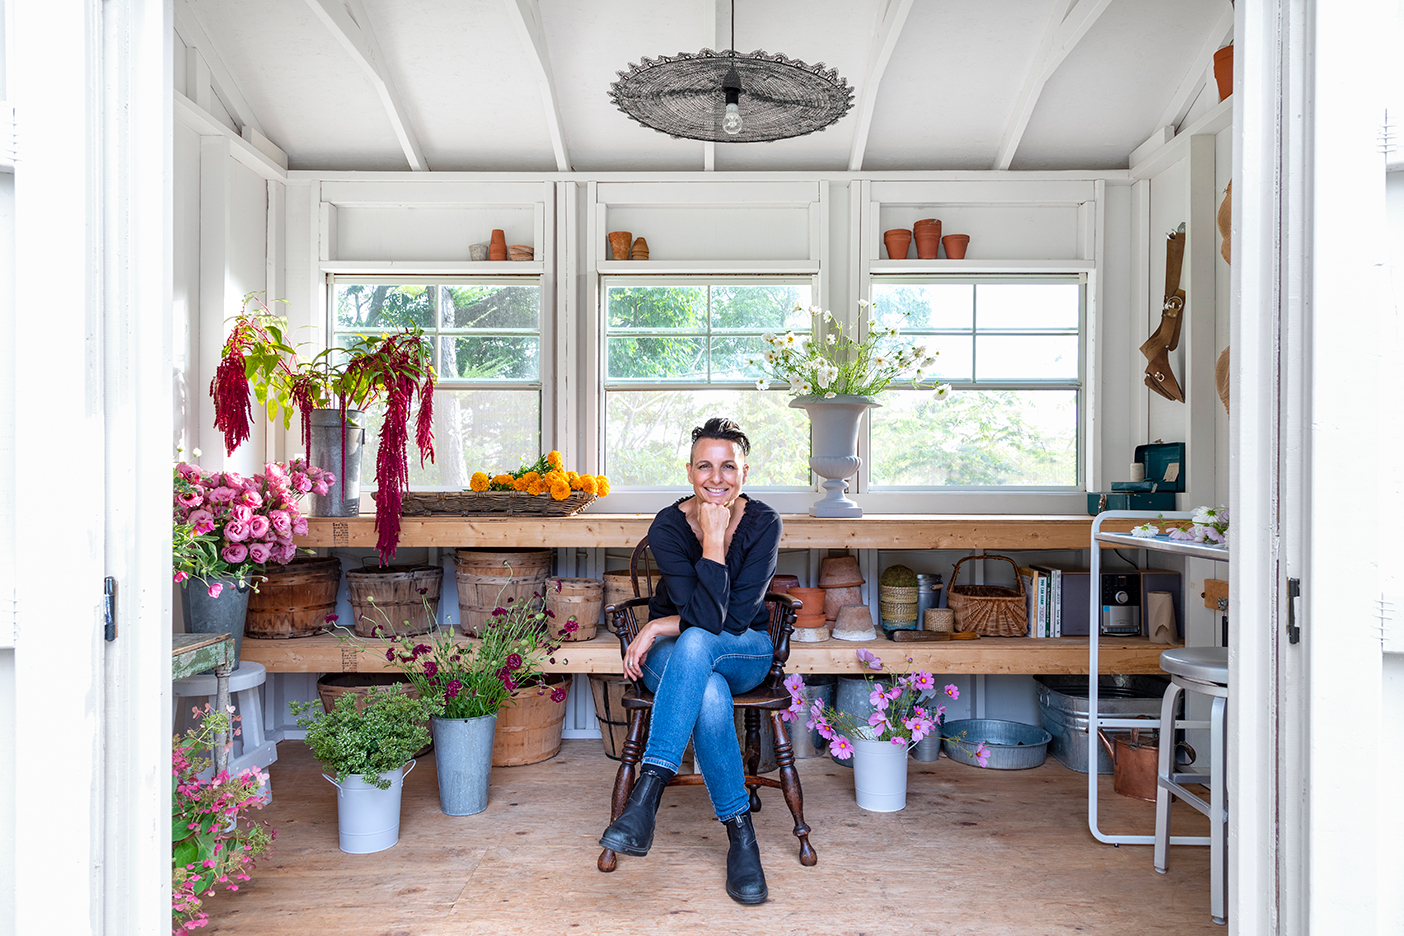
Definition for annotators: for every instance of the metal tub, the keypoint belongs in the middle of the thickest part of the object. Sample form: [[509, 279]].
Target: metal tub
[[1062, 702], [1012, 745]]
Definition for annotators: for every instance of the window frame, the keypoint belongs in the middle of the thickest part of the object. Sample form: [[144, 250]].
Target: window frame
[[546, 376], [779, 496]]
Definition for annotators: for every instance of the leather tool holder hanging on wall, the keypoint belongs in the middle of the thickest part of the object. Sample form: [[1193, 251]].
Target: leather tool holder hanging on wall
[[1166, 338]]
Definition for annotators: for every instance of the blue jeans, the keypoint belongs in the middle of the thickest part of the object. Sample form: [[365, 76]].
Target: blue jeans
[[692, 677]]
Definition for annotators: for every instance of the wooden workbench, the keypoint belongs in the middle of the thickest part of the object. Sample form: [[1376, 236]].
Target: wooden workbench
[[596, 530], [995, 655]]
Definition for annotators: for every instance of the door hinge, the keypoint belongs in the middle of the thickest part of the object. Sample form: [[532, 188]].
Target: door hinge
[[109, 608], [1294, 591]]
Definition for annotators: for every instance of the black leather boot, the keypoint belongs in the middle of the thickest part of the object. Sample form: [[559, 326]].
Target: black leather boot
[[632, 832], [745, 881]]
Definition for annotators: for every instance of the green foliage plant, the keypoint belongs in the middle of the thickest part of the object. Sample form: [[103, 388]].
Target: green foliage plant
[[828, 363], [369, 736]]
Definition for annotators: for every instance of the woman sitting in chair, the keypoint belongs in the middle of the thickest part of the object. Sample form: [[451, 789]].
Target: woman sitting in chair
[[716, 551]]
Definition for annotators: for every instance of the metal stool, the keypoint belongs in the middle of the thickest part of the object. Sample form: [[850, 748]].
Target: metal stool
[[1203, 670], [253, 747]]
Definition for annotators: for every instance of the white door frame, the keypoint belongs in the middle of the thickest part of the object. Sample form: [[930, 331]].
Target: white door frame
[[92, 364], [1308, 248]]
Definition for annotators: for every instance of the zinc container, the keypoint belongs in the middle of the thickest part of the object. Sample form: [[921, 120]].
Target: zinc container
[[1062, 702]]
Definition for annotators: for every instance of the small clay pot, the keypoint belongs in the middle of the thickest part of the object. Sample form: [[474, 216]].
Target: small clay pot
[[619, 243], [812, 600], [955, 245], [928, 242], [640, 249], [478, 252], [837, 571], [1223, 71], [836, 598], [897, 242], [497, 247]]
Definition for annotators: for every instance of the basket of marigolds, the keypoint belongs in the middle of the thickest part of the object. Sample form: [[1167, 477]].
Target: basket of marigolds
[[541, 489]]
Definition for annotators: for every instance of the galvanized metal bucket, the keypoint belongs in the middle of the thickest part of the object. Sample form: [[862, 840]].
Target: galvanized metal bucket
[[326, 451], [463, 760], [806, 741], [1062, 702]]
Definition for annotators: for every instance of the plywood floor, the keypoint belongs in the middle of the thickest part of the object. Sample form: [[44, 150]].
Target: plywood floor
[[974, 852]]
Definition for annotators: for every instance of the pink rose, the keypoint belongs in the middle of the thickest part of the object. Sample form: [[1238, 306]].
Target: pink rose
[[235, 553], [259, 552], [283, 553], [236, 532], [215, 589], [242, 513], [252, 498], [233, 479], [299, 526], [201, 518], [301, 483], [190, 498], [282, 523], [258, 527], [321, 487], [221, 495], [274, 470]]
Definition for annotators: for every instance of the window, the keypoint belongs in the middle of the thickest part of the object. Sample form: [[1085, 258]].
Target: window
[[487, 338], [1011, 347], [676, 353]]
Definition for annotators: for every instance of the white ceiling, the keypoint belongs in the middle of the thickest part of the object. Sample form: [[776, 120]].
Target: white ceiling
[[959, 76]]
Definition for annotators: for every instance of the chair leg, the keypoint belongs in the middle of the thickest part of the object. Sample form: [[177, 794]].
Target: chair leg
[[751, 719], [624, 780], [1218, 815], [1165, 771], [790, 786]]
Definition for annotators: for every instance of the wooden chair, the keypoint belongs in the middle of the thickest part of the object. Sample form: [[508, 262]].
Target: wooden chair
[[770, 696]]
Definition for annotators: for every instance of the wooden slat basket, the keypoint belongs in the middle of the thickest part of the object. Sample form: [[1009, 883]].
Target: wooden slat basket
[[989, 610], [488, 577], [530, 731], [406, 598], [492, 504], [294, 600]]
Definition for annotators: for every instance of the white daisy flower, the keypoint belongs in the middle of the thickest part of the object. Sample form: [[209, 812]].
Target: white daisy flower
[[830, 395], [762, 384]]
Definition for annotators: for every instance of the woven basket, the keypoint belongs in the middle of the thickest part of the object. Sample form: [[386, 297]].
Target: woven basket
[[492, 504], [898, 594], [989, 610], [898, 610]]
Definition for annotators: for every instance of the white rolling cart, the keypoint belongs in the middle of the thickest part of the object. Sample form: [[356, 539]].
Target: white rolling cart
[[1095, 719]]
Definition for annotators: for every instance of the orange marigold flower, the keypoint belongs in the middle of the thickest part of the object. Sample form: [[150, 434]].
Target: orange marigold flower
[[554, 460], [560, 490], [503, 481], [601, 485], [479, 481], [520, 484], [587, 484], [531, 477], [573, 480], [536, 487]]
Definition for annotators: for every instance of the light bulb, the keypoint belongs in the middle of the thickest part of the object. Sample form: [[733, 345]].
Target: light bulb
[[731, 123]]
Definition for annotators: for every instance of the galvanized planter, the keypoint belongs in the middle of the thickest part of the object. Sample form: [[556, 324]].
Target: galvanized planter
[[1062, 702], [463, 760], [1012, 745]]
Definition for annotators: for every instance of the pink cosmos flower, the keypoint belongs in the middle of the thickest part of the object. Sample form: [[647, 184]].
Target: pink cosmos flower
[[867, 657], [841, 748], [923, 682], [953, 691], [981, 754], [259, 552], [215, 589], [794, 683], [259, 526], [235, 553], [235, 531], [899, 740]]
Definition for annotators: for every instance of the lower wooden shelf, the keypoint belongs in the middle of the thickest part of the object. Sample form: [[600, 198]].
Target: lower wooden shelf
[[991, 655]]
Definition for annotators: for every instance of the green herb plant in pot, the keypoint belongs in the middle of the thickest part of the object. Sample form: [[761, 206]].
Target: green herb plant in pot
[[367, 746], [467, 681]]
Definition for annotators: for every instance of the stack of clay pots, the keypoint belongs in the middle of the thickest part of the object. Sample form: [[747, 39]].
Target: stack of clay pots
[[928, 238], [810, 625], [841, 579]]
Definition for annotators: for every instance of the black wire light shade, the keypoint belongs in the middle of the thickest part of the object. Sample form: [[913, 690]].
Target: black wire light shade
[[686, 95]]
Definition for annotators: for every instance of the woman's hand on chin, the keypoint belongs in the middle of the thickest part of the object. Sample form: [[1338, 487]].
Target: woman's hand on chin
[[714, 519]]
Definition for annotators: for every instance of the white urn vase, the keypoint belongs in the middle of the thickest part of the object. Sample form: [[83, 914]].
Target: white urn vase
[[834, 423]]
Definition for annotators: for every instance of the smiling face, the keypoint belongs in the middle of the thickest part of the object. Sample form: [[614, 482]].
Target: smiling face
[[717, 471]]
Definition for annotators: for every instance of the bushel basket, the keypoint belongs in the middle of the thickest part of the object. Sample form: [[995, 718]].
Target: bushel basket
[[989, 610], [492, 504]]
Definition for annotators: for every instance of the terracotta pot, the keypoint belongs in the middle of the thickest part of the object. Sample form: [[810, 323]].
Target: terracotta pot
[[955, 245], [811, 620], [928, 242], [897, 241], [928, 224], [497, 247], [640, 250], [782, 583], [619, 243], [1223, 71], [812, 600], [836, 598], [837, 571]]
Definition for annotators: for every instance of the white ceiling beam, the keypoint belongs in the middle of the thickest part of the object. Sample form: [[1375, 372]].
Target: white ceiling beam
[[894, 17], [1198, 73], [349, 25], [526, 20], [193, 34], [1059, 39]]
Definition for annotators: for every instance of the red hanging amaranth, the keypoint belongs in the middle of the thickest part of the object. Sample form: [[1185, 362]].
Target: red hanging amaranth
[[424, 431], [230, 390]]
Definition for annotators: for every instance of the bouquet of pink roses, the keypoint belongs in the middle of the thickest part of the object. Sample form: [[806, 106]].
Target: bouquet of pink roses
[[229, 526], [898, 716]]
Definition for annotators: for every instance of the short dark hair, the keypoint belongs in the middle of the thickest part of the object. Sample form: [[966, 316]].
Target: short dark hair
[[724, 430]]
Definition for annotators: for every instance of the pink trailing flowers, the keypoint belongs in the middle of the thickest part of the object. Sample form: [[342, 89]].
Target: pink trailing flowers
[[228, 526], [899, 715]]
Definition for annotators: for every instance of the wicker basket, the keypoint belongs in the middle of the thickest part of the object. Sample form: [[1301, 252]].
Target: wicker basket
[[898, 610], [898, 594], [989, 610], [492, 504]]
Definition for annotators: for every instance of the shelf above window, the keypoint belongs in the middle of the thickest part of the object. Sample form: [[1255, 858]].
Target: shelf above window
[[982, 266], [718, 267], [434, 267]]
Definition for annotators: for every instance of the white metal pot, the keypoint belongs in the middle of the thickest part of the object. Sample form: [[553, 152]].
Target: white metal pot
[[368, 818], [880, 775], [834, 423]]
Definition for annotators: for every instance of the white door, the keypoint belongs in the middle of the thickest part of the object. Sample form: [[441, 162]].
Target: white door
[[1314, 825], [86, 468]]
